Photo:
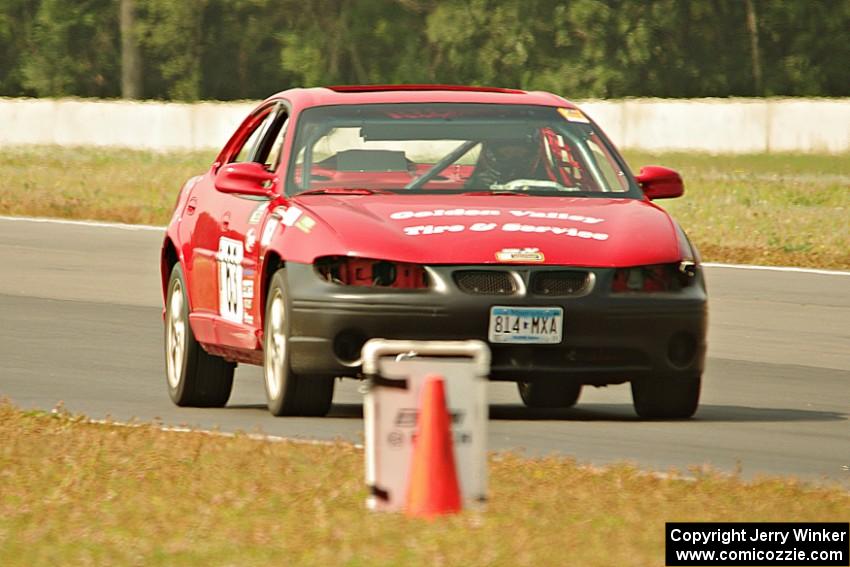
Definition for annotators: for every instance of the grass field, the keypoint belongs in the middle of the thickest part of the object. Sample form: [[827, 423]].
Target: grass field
[[75, 493], [763, 209], [766, 209], [95, 184]]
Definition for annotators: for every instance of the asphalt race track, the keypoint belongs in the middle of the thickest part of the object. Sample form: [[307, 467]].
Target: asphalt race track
[[80, 322]]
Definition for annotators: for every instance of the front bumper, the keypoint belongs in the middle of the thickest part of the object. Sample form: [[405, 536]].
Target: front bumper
[[607, 338]]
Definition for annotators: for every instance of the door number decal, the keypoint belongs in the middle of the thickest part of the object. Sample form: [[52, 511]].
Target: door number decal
[[229, 257]]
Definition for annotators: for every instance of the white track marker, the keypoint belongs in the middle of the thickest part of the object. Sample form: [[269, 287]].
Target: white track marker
[[96, 224], [216, 433], [123, 226], [776, 269], [594, 469]]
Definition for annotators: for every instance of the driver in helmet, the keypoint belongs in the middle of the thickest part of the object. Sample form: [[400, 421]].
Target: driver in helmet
[[502, 161]]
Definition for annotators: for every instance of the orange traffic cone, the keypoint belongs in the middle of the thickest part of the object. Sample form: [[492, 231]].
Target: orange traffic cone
[[433, 488]]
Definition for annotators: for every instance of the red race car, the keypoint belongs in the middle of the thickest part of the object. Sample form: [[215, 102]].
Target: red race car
[[335, 215]]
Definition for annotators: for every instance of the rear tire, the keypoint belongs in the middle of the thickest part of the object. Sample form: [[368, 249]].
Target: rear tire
[[672, 396], [288, 393], [549, 393], [194, 377]]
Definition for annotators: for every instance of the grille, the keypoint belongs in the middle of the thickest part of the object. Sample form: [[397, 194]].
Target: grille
[[562, 356], [482, 282], [560, 284]]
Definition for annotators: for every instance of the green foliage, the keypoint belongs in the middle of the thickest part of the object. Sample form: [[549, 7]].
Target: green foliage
[[212, 49], [808, 48], [171, 37], [343, 41], [236, 49], [72, 49], [16, 17], [492, 41], [240, 42]]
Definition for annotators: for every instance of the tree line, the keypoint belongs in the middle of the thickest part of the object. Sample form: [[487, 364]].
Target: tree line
[[247, 49]]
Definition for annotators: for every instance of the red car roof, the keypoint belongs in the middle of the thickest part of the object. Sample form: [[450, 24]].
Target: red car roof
[[383, 94], [378, 88]]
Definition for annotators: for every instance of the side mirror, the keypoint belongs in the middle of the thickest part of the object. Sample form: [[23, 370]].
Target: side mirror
[[660, 182], [245, 178]]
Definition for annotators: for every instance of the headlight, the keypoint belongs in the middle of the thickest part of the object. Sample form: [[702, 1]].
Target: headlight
[[658, 277], [366, 272]]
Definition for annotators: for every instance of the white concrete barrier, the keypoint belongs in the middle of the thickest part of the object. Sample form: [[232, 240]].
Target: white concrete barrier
[[809, 125], [692, 125], [144, 125], [708, 125]]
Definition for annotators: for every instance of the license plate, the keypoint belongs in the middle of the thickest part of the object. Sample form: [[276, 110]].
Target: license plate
[[526, 325]]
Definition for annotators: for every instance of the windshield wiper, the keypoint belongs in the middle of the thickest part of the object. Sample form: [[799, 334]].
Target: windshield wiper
[[496, 192], [524, 185], [342, 191]]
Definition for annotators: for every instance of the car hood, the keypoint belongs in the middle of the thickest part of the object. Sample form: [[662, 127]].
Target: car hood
[[476, 229]]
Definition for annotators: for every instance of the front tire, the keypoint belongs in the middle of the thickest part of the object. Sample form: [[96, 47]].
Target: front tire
[[288, 393], [194, 377], [549, 393], [673, 396]]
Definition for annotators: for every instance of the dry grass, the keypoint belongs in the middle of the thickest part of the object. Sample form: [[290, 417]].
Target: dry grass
[[96, 184], [75, 493], [765, 209]]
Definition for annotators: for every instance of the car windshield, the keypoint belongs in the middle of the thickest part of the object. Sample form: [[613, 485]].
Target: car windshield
[[441, 147]]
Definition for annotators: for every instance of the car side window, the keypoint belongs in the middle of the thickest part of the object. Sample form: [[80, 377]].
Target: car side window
[[263, 144], [249, 147], [612, 172], [272, 159], [268, 148]]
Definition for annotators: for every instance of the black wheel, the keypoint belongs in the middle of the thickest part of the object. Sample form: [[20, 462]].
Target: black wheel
[[194, 377], [673, 396], [549, 393], [286, 392]]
